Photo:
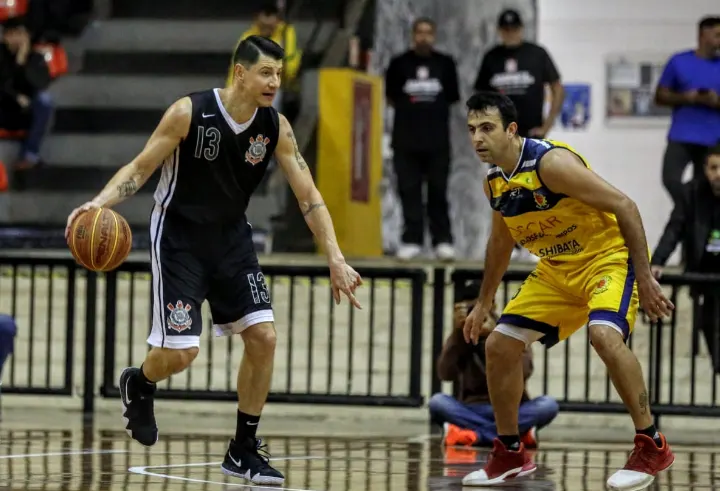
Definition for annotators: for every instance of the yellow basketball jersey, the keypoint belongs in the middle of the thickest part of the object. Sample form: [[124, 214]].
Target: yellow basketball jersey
[[552, 226]]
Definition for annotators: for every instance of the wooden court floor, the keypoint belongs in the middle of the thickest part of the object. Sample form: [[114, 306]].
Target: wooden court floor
[[187, 457]]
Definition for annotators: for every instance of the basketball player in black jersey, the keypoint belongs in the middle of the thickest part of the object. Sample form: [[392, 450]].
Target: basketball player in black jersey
[[214, 148]]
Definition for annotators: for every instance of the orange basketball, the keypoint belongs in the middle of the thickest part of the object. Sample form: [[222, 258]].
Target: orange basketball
[[100, 239]]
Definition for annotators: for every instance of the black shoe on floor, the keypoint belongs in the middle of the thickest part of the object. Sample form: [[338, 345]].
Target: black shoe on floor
[[249, 460], [138, 408]]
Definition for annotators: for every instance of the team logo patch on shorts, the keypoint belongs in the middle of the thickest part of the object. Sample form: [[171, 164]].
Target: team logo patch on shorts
[[602, 285], [540, 200], [258, 149], [179, 319]]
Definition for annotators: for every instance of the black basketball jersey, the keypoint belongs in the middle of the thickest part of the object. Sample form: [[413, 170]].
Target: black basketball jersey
[[217, 167]]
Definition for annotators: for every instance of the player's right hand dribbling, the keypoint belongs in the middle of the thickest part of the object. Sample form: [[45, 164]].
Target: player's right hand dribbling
[[652, 299], [87, 206], [475, 325]]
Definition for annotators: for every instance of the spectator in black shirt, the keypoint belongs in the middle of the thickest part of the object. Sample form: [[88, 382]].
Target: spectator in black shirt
[[695, 221], [24, 103], [421, 84], [521, 70]]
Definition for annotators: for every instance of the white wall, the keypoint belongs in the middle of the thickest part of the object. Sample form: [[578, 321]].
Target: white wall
[[579, 35]]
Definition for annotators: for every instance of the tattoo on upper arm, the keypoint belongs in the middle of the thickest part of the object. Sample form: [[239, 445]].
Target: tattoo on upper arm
[[310, 207], [127, 188], [298, 156]]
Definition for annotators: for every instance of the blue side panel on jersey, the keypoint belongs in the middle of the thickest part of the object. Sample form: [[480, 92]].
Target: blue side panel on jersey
[[520, 201]]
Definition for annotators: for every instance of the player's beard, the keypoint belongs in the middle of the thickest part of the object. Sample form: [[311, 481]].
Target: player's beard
[[423, 48]]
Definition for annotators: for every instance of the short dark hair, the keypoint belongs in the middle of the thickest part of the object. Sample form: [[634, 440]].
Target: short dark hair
[[713, 151], [708, 22], [269, 8], [484, 100], [423, 20], [251, 48]]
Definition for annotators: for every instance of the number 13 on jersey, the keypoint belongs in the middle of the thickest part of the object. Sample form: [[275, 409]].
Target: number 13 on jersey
[[208, 143]]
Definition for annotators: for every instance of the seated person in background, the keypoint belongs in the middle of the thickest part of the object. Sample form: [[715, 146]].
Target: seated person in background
[[695, 222], [24, 104], [469, 419], [7, 338], [268, 24], [7, 341]]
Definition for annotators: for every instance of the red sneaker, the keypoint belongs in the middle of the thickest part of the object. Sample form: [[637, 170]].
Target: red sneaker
[[502, 465], [454, 435], [529, 438], [645, 461]]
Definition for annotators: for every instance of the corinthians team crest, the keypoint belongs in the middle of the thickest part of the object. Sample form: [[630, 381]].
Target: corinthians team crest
[[179, 319], [257, 150]]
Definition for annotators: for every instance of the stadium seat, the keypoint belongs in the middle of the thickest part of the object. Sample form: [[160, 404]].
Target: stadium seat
[[56, 58], [12, 134], [12, 8], [4, 181]]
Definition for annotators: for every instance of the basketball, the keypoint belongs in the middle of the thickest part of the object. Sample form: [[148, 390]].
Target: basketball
[[100, 239]]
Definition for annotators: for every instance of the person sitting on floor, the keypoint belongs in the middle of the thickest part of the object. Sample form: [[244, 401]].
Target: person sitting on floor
[[7, 338], [24, 102], [469, 419], [7, 342]]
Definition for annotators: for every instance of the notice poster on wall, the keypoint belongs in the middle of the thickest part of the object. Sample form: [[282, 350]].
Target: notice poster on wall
[[575, 112], [631, 80]]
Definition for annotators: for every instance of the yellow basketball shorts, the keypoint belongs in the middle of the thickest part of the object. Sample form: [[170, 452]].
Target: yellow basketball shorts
[[557, 300]]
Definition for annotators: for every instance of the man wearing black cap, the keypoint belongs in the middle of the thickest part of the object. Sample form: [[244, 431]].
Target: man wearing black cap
[[520, 70]]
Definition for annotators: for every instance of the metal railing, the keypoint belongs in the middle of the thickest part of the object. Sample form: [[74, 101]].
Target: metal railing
[[572, 374], [316, 358], [77, 330], [42, 293]]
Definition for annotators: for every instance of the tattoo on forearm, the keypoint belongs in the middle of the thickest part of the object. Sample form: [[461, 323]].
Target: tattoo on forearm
[[127, 188], [310, 207], [298, 156], [643, 402]]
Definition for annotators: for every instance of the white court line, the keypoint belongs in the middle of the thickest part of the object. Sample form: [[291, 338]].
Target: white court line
[[61, 454], [144, 472]]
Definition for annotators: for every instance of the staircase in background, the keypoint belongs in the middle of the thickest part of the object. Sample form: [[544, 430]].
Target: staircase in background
[[134, 64]]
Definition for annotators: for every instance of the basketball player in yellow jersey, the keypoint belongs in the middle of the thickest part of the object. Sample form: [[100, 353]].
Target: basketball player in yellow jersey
[[594, 268]]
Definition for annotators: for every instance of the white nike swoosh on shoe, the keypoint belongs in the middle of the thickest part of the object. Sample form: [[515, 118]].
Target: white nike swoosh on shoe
[[127, 399], [236, 462]]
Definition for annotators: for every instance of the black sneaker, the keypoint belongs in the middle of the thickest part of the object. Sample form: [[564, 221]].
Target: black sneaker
[[138, 408], [250, 461]]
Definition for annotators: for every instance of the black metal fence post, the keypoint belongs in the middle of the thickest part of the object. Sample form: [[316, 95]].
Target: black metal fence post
[[655, 395], [438, 325], [108, 378], [416, 330], [90, 335], [70, 326]]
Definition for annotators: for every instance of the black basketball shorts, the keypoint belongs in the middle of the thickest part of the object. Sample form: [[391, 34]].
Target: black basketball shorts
[[192, 263]]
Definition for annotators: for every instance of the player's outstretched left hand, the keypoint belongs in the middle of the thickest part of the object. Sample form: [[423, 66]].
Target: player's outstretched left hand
[[652, 299], [345, 279]]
